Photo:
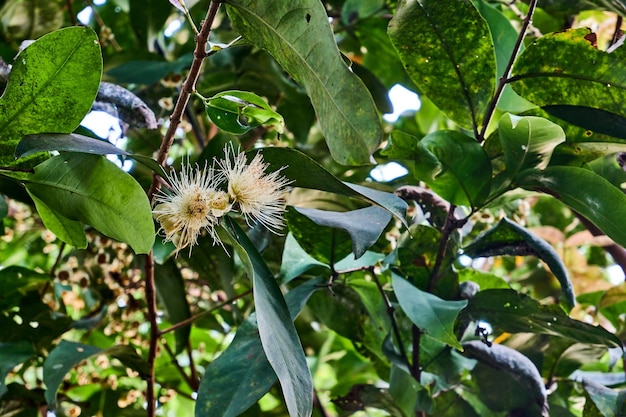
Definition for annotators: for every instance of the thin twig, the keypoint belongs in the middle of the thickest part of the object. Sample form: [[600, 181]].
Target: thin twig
[[390, 313], [507, 71], [151, 301], [451, 223], [70, 12], [416, 369], [101, 24], [191, 319], [192, 384]]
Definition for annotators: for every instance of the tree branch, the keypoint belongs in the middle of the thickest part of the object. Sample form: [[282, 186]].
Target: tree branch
[[507, 71]]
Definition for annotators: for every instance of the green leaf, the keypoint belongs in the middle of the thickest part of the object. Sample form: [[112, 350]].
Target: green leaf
[[93, 190], [60, 361], [609, 403], [69, 231], [585, 192], [296, 261], [509, 311], [277, 332], [434, 316], [565, 68], [453, 64], [17, 281], [595, 120], [52, 86], [173, 294], [528, 142], [148, 19], [299, 37], [454, 165], [612, 304], [238, 112], [12, 355], [74, 142], [507, 237], [306, 173], [231, 385], [364, 225], [66, 355]]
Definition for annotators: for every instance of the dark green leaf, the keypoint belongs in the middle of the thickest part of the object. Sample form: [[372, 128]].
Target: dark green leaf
[[148, 19], [299, 37], [73, 142], [241, 375], [565, 68], [63, 357], [595, 120], [307, 173], [11, 355], [510, 238], [278, 334], [585, 192], [512, 312], [453, 64], [129, 357], [17, 281], [92, 190], [237, 112], [364, 225], [609, 403], [53, 84], [296, 261], [434, 316], [173, 294]]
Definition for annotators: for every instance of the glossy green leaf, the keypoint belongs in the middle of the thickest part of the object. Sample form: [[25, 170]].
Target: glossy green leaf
[[12, 355], [565, 68], [60, 361], [238, 112], [609, 403], [52, 86], [173, 294], [74, 142], [434, 316], [364, 225], [93, 190], [69, 231], [298, 35], [231, 385], [453, 64], [278, 334], [509, 238], [528, 142], [454, 165], [307, 173], [584, 191], [509, 311], [594, 120]]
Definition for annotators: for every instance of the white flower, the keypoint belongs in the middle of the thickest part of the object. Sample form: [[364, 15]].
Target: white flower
[[194, 203], [258, 196]]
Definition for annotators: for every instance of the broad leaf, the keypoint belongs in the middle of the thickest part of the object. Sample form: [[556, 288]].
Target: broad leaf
[[231, 385], [238, 112], [509, 311], [298, 35], [364, 225], [52, 86], [278, 334], [565, 68], [93, 190], [453, 64], [584, 191], [434, 316], [528, 142], [608, 402], [296, 261], [74, 142], [69, 231], [307, 173], [509, 238], [173, 294], [11, 355]]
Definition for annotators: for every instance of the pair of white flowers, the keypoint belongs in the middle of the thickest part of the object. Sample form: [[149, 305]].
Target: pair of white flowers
[[198, 198]]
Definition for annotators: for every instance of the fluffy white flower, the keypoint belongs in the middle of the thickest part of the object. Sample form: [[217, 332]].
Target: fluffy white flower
[[258, 196], [194, 203]]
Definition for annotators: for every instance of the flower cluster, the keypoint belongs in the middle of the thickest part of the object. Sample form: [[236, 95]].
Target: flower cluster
[[199, 197]]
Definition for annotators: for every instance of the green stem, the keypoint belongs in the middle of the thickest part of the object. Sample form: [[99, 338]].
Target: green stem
[[504, 79]]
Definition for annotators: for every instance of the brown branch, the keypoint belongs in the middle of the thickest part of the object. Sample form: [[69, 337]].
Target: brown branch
[[617, 252], [188, 87], [504, 79]]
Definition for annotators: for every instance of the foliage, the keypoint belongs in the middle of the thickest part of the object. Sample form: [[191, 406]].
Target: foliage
[[479, 282]]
